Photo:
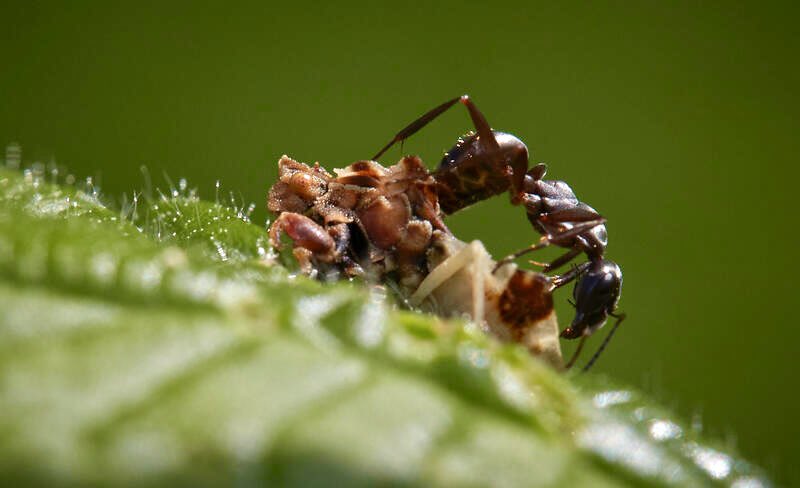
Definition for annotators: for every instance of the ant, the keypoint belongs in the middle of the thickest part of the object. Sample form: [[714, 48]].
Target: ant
[[486, 163]]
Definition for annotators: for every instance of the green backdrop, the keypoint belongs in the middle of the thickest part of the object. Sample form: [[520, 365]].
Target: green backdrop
[[676, 121]]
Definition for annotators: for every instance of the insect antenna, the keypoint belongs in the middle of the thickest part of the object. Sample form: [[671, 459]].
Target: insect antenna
[[602, 347]]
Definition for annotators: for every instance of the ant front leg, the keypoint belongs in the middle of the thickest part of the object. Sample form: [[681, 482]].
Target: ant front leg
[[569, 276], [559, 261]]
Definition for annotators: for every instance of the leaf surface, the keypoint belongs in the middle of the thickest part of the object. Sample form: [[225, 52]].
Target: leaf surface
[[161, 345]]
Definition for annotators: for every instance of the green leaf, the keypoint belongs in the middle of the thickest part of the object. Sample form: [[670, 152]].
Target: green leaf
[[161, 345]]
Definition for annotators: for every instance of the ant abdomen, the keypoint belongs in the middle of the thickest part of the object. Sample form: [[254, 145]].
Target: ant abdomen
[[468, 172]]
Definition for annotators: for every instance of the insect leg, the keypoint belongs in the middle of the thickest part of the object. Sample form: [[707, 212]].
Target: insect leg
[[418, 124], [571, 215], [481, 125], [559, 261], [569, 276], [576, 353], [602, 347], [557, 239]]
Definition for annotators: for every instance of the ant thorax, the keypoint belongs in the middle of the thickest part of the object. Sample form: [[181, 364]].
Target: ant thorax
[[385, 224]]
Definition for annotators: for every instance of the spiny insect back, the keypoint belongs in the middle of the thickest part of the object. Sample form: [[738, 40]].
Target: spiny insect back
[[367, 220]]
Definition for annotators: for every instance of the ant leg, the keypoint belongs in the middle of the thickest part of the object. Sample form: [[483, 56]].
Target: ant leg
[[547, 240], [569, 276], [570, 215], [473, 254], [482, 126], [543, 242], [418, 124], [514, 167], [602, 347], [559, 261], [576, 353], [567, 235]]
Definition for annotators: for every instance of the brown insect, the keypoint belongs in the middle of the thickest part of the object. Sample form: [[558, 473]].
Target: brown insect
[[385, 223], [365, 219], [368, 219]]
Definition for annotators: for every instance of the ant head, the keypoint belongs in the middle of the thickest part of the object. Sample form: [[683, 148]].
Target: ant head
[[596, 295]]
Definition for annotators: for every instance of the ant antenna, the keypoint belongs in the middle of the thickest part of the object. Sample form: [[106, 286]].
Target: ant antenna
[[602, 347]]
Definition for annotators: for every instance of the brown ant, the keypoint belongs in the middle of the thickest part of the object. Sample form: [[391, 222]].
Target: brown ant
[[487, 163]]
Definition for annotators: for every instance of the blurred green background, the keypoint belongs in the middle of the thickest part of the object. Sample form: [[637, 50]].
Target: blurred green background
[[677, 121]]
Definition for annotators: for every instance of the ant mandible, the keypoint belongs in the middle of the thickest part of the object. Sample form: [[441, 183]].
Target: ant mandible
[[487, 163]]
